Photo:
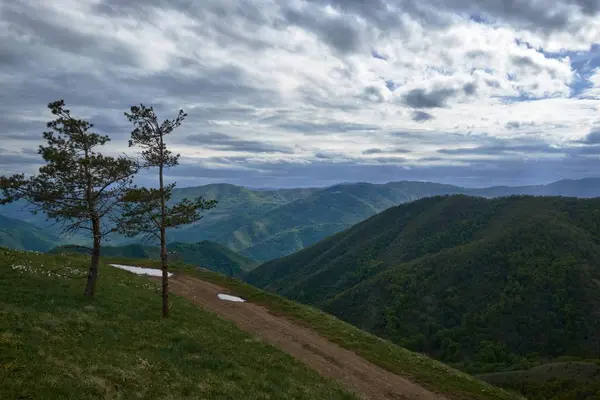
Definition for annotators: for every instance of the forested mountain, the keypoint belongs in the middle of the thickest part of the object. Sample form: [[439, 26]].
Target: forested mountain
[[209, 255], [484, 284], [268, 223], [20, 235]]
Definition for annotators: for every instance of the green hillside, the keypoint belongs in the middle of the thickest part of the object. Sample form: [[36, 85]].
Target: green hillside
[[267, 224], [486, 285], [416, 367], [56, 344], [205, 254], [21, 235]]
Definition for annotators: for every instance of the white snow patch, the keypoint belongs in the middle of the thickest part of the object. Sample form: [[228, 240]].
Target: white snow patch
[[140, 270], [230, 298]]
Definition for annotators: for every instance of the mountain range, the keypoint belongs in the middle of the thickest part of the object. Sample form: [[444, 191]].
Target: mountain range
[[17, 234], [487, 285], [264, 224]]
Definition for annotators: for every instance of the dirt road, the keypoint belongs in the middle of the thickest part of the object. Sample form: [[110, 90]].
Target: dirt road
[[329, 359]]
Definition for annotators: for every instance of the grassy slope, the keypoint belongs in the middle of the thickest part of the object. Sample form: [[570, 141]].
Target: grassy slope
[[419, 368], [56, 344]]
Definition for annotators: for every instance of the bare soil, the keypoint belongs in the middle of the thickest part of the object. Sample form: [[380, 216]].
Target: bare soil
[[353, 372]]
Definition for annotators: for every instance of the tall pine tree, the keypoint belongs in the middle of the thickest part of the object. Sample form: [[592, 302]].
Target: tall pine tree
[[78, 186], [145, 211]]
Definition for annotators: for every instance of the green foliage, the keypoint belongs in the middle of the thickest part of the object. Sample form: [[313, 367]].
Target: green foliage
[[477, 283], [142, 211], [78, 186], [145, 211], [77, 183], [55, 344]]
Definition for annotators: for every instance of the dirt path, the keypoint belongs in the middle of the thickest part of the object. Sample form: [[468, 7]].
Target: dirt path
[[329, 359]]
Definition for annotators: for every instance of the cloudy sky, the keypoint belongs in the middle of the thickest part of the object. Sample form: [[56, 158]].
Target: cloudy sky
[[283, 93]]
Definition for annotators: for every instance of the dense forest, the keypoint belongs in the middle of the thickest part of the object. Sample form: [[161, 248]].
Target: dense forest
[[487, 285]]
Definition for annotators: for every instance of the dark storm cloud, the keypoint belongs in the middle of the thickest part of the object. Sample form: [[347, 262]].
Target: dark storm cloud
[[390, 160], [518, 124], [493, 150], [372, 94], [376, 12], [14, 127], [396, 150], [421, 116], [330, 155], [526, 62], [530, 14], [470, 88], [48, 31], [25, 157], [342, 34], [587, 150], [216, 85], [435, 98], [221, 141], [373, 151], [591, 138]]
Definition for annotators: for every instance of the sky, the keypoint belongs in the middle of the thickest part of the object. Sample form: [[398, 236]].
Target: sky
[[312, 93]]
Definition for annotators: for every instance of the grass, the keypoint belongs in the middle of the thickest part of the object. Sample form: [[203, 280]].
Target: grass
[[419, 368], [55, 344]]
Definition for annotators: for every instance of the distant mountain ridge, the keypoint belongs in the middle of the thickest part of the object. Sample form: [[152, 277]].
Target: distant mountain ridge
[[264, 224], [21, 235]]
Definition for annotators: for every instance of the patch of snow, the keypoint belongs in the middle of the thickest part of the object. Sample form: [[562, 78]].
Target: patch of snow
[[230, 298], [140, 270]]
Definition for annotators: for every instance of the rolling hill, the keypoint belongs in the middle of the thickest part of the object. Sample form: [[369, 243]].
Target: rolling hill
[[209, 255], [117, 346], [56, 344], [20, 235], [264, 224], [487, 285]]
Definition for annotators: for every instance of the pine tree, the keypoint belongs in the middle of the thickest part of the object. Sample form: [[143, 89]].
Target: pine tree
[[78, 186], [146, 211]]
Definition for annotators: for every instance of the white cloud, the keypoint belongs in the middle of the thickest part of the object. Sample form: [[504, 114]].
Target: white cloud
[[301, 75]]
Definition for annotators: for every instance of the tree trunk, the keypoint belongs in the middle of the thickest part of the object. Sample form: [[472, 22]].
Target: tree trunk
[[165, 274], [163, 236], [90, 287]]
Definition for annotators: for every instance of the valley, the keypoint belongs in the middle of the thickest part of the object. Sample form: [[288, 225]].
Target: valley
[[267, 224]]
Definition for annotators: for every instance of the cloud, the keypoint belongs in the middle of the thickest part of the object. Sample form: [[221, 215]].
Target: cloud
[[313, 91], [592, 138], [388, 151], [221, 141], [421, 116], [341, 34]]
